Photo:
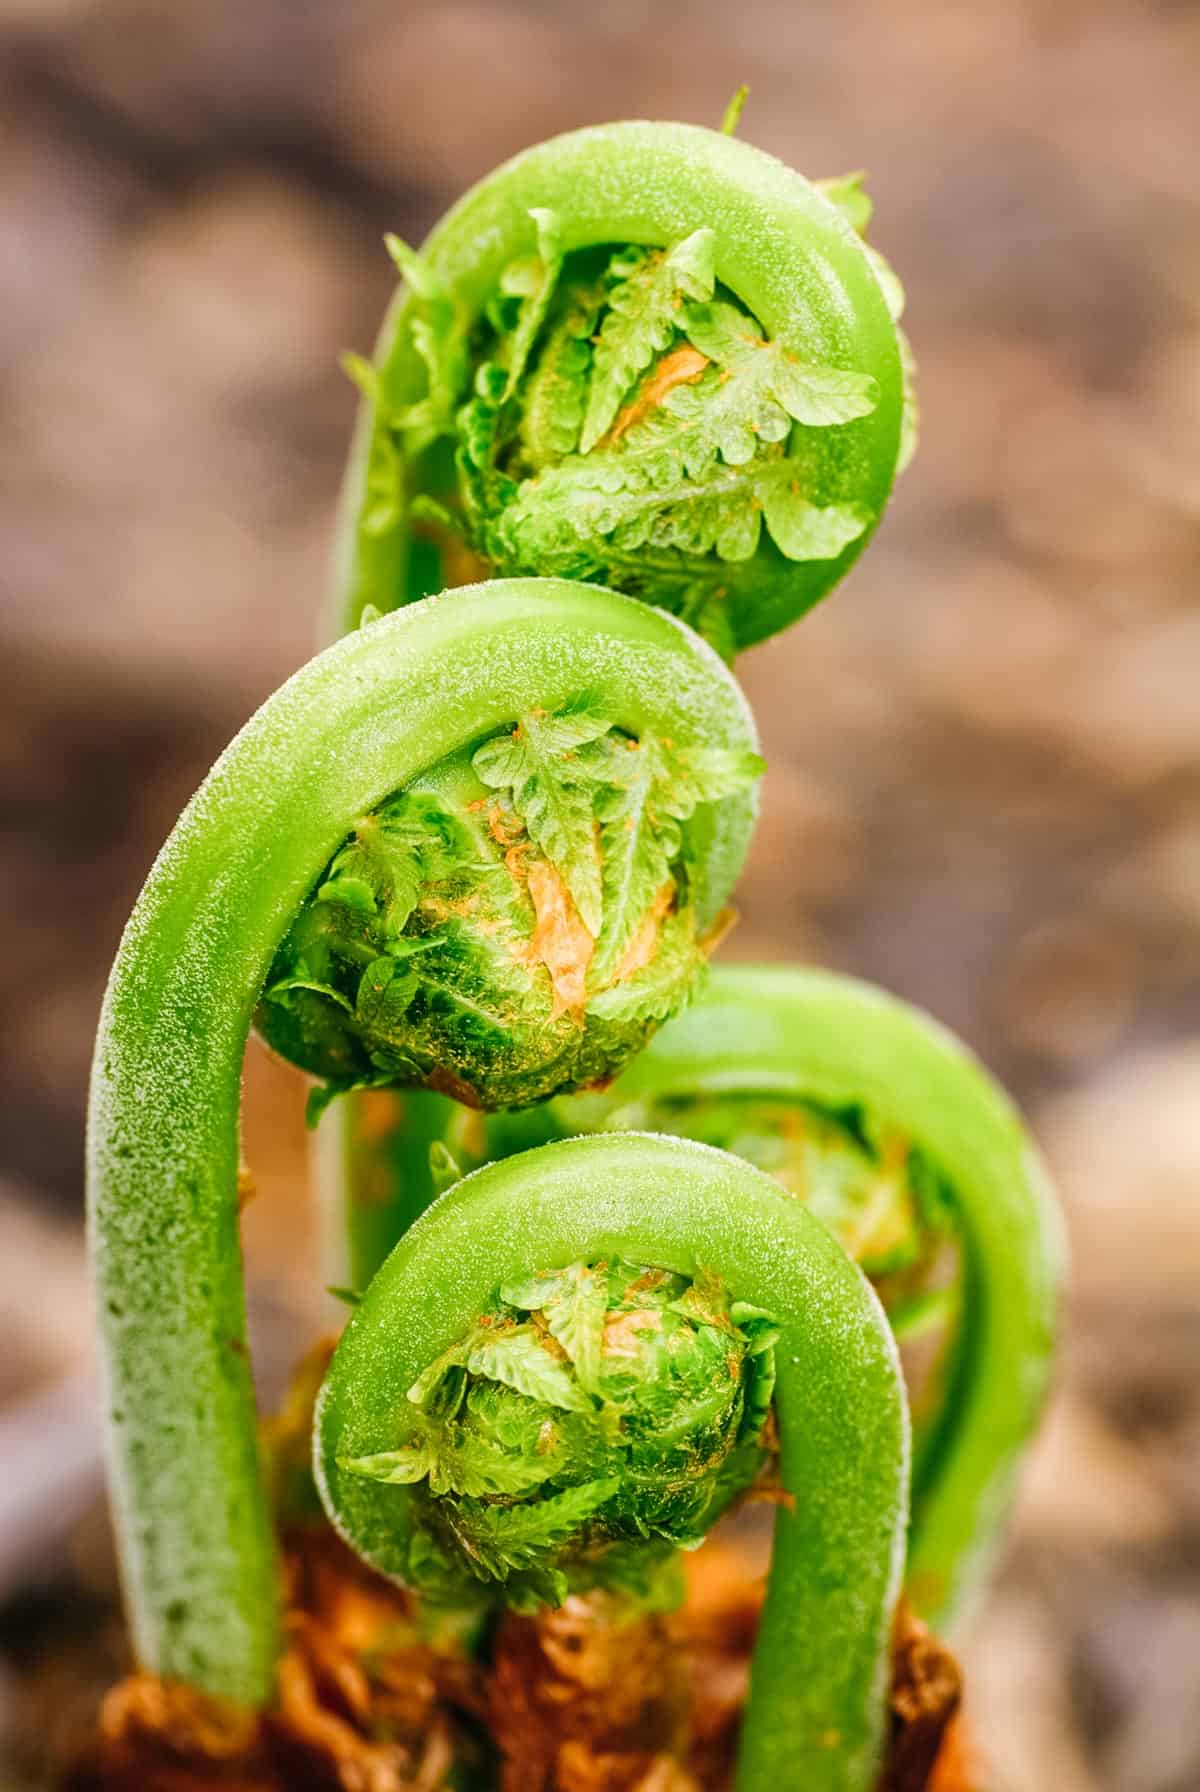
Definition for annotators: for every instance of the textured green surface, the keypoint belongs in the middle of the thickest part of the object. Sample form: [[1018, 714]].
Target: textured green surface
[[836, 1040], [616, 416], [817, 1705], [788, 254], [807, 1035], [878, 1197], [366, 716], [592, 1422], [516, 923]]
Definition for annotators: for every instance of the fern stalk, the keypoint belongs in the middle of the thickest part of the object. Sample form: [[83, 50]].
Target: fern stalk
[[366, 716]]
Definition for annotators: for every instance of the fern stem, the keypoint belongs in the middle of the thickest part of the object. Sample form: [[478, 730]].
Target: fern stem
[[364, 717], [813, 1035]]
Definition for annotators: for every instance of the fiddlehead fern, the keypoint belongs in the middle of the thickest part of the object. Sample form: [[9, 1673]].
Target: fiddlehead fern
[[376, 714], [513, 923], [748, 1271], [896, 1139], [645, 355], [593, 1421], [655, 359]]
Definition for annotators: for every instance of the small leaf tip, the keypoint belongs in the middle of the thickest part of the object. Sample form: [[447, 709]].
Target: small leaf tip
[[734, 110]]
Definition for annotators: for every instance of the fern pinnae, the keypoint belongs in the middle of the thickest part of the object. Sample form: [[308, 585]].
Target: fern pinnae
[[533, 281], [649, 991], [635, 851], [847, 193], [569, 517], [515, 1536], [552, 796], [768, 373], [555, 395], [575, 1317], [518, 1357], [644, 311]]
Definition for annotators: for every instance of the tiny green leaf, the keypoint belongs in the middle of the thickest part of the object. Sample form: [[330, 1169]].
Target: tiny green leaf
[[349, 1297], [534, 280], [851, 198], [444, 1170], [411, 264], [573, 518], [513, 1537], [575, 1316], [556, 391], [760, 1385], [440, 340], [520, 1359], [705, 1300], [654, 993], [318, 1100], [805, 531], [351, 892], [396, 1468], [425, 509], [383, 502], [761, 370], [385, 993], [285, 988], [644, 312], [638, 840], [365, 375], [467, 1464], [532, 1294], [440, 1387], [537, 765], [733, 111], [648, 790]]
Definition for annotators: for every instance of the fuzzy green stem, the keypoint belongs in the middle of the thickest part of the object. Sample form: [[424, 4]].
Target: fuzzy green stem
[[356, 723], [820, 1037], [373, 1165], [786, 252], [373, 1173], [818, 1685]]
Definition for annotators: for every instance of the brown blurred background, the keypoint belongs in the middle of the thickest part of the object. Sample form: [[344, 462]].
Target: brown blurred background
[[985, 751]]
